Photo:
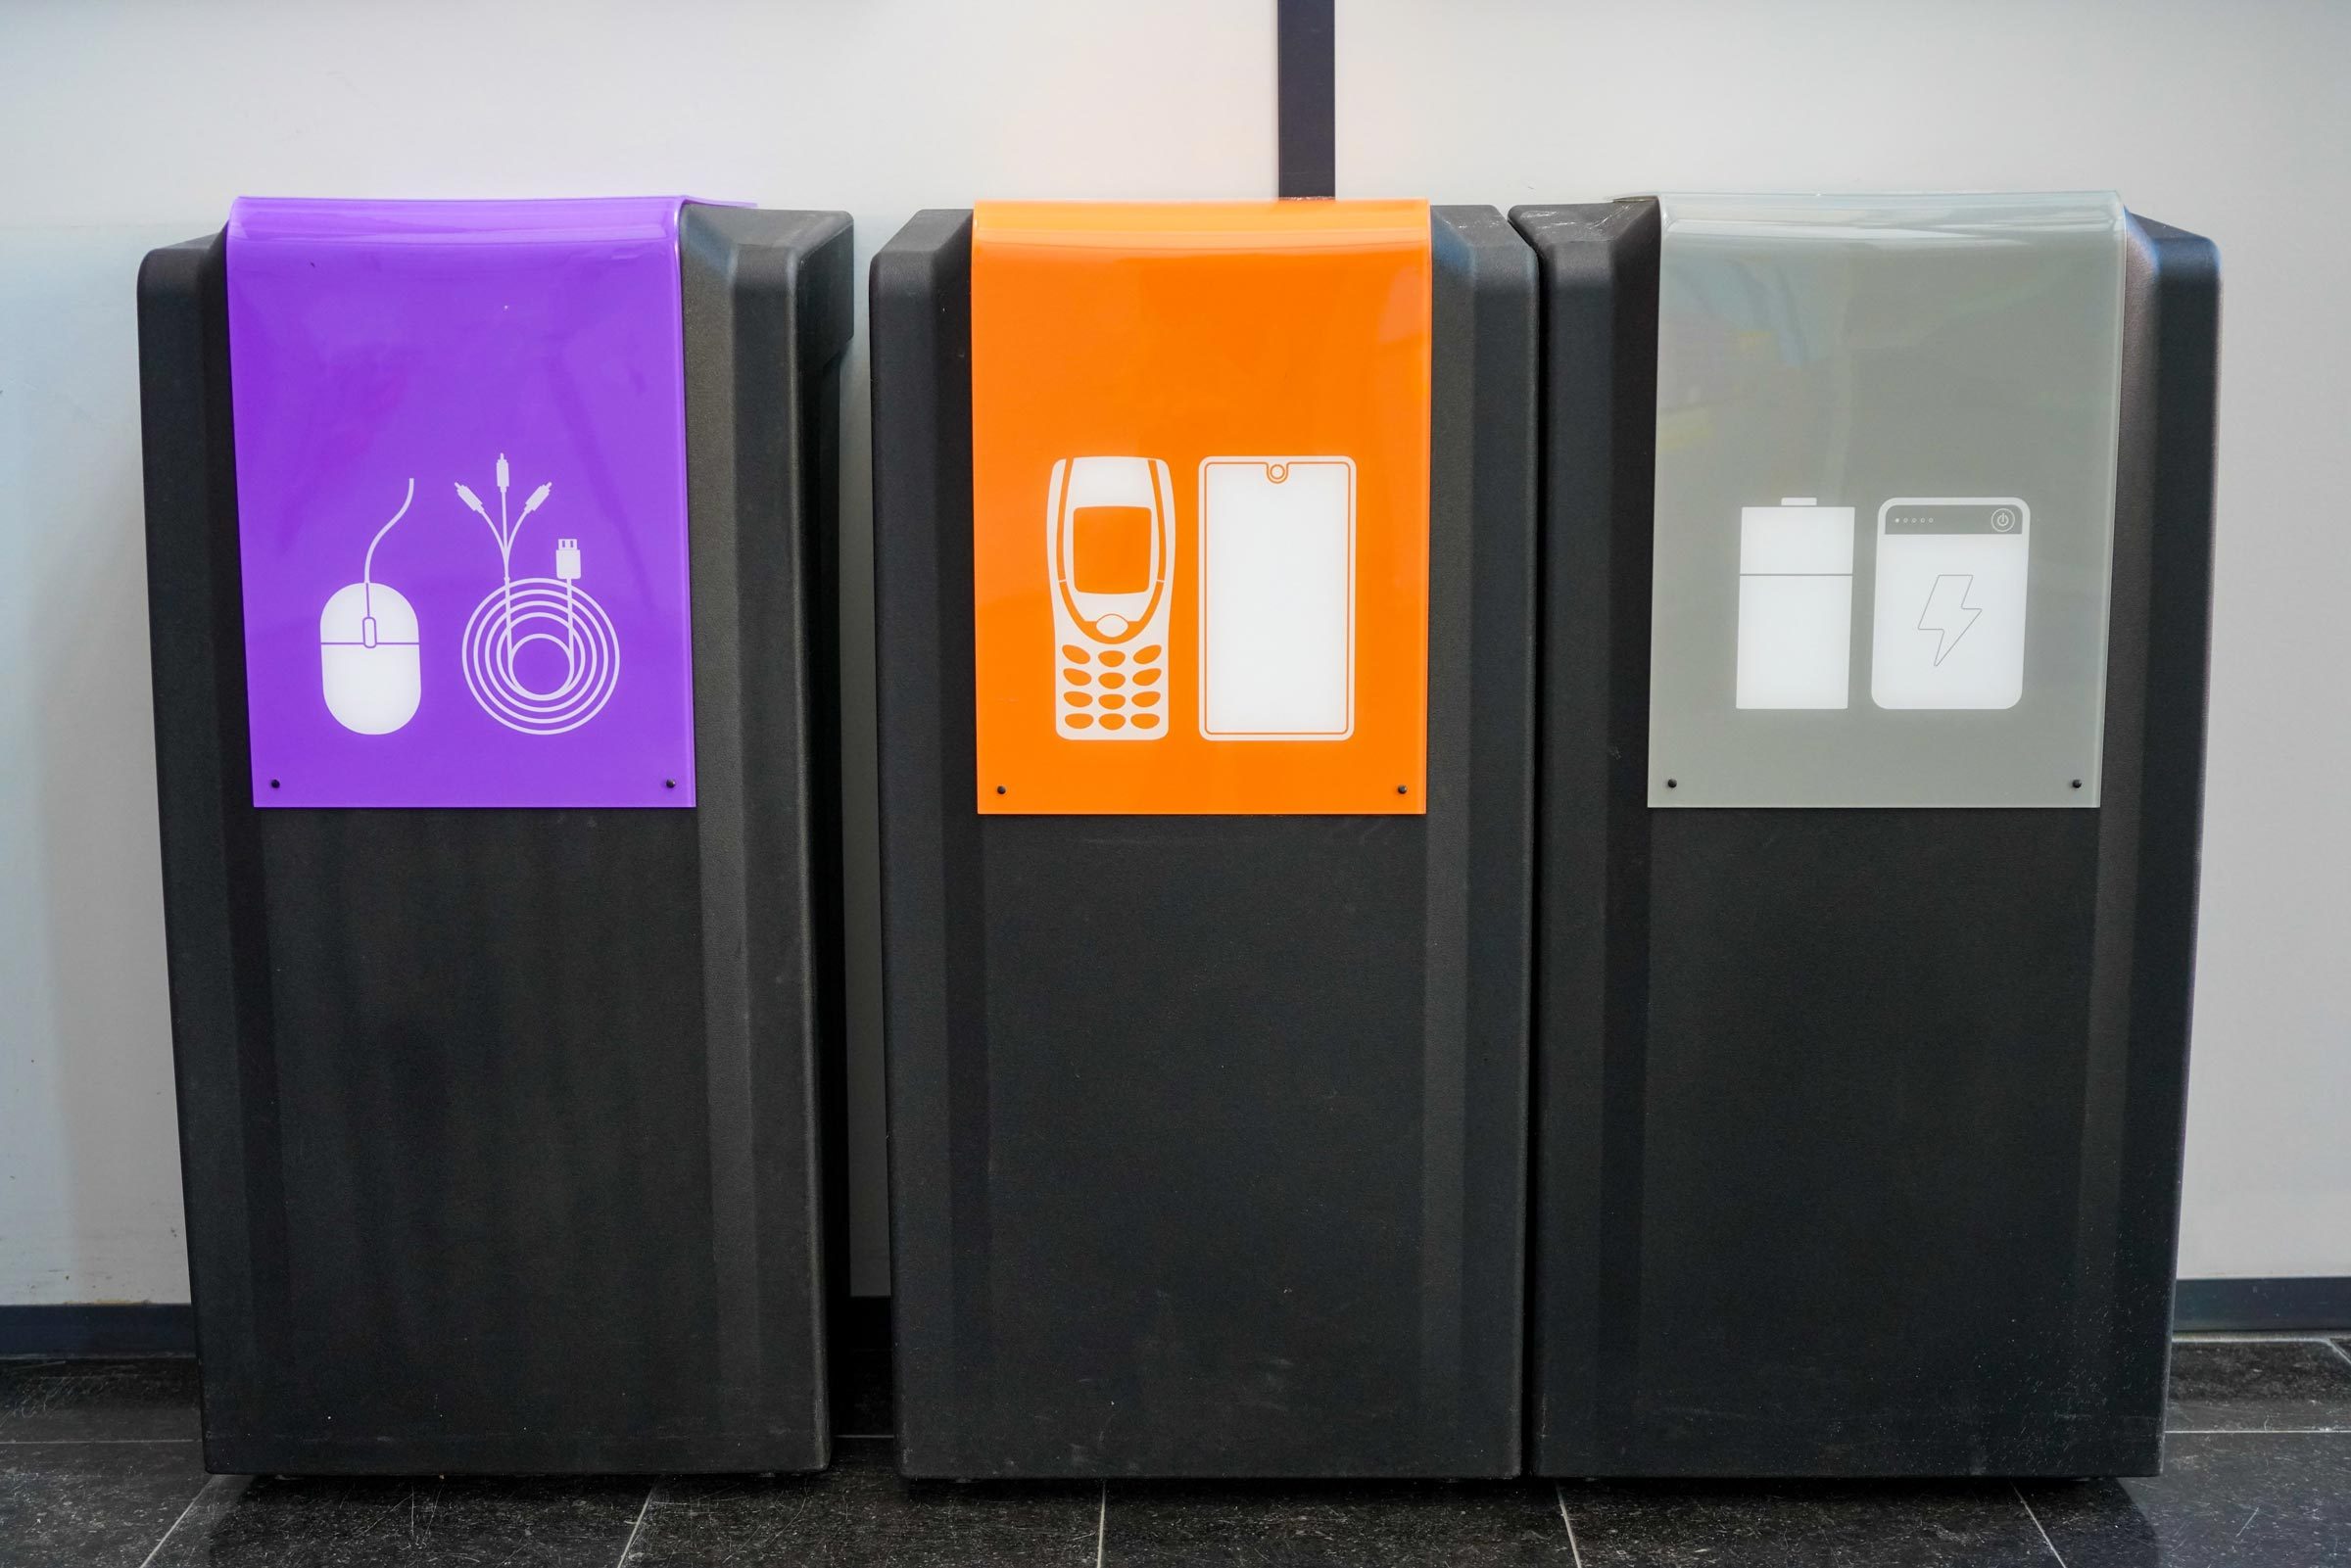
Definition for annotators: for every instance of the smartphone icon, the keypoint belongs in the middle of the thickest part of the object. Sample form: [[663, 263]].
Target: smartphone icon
[[1277, 599], [1110, 544], [1948, 630]]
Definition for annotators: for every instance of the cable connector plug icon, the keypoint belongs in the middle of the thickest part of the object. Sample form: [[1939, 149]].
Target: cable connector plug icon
[[567, 561]]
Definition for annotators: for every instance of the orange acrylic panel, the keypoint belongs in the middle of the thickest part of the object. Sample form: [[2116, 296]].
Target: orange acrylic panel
[[1200, 506]]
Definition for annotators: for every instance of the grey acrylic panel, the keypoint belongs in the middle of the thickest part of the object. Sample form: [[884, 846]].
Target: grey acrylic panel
[[1885, 498]]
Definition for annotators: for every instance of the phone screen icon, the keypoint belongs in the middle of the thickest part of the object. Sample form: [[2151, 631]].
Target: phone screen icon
[[1277, 599]]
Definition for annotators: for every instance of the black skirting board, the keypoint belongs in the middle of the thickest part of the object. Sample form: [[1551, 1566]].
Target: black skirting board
[[1270, 1223], [500, 1128], [1789, 1219]]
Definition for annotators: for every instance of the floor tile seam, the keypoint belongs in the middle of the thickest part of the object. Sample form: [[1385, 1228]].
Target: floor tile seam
[[2313, 1336], [165, 1540], [1576, 1552], [2038, 1528], [637, 1528]]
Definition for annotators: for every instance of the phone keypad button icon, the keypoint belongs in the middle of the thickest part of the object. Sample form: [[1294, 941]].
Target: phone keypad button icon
[[1114, 657], [1114, 680], [1113, 700], [1149, 655], [1145, 699], [1076, 676], [1078, 721], [1146, 721], [1076, 654], [1146, 677], [1078, 699], [1114, 721]]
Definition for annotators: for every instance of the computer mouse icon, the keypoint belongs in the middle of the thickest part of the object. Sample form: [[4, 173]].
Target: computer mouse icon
[[369, 666], [369, 663]]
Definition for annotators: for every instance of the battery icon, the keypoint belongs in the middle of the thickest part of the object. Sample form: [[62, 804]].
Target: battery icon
[[1795, 604]]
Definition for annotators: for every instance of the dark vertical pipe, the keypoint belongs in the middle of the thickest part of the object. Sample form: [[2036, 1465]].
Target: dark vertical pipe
[[1306, 100]]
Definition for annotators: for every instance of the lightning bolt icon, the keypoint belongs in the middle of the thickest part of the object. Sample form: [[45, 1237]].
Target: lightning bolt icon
[[1948, 612]]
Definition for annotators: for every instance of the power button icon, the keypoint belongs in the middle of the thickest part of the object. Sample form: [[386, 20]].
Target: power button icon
[[2003, 518]]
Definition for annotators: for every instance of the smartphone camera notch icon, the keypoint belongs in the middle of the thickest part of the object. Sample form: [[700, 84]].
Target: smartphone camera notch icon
[[1110, 545]]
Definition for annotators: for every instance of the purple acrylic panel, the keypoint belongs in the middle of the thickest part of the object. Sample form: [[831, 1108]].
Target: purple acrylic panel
[[460, 445]]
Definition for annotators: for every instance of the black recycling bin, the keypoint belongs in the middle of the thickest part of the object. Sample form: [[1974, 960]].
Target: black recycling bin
[[1859, 1107], [500, 1078], [1207, 1128]]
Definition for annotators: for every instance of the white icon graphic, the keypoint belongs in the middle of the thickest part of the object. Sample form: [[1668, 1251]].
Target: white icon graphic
[[521, 613], [1948, 614], [1109, 549], [1795, 604], [1950, 625], [1277, 599], [367, 648]]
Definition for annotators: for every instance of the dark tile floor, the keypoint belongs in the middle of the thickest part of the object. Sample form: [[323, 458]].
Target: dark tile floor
[[99, 1466]]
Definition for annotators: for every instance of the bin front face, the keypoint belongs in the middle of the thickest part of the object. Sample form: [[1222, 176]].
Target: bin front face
[[1859, 1110], [497, 1123], [1206, 1045]]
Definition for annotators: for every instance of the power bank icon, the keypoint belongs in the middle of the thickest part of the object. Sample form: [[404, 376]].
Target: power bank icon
[[1949, 624], [1110, 547], [1795, 604]]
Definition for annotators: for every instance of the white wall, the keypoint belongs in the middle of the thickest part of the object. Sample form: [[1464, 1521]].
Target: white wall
[[2224, 118], [89, 1163]]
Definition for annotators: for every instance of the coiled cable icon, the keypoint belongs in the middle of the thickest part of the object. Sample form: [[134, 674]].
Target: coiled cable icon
[[523, 612]]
